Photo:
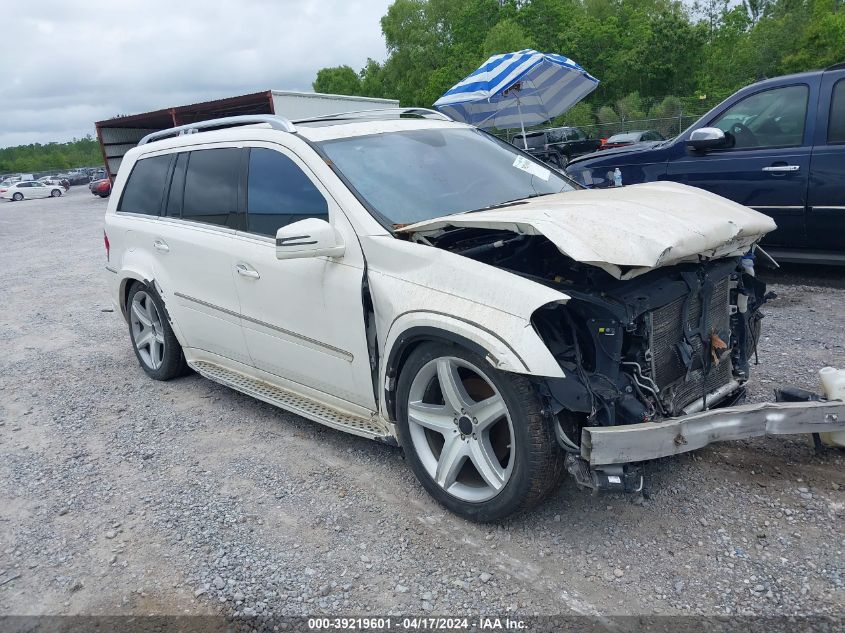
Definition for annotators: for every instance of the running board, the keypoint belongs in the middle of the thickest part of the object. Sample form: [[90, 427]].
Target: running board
[[284, 399]]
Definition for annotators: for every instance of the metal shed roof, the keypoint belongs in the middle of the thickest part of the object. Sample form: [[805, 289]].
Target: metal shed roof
[[119, 134]]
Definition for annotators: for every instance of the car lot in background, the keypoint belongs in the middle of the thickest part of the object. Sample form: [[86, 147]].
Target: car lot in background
[[29, 189], [777, 146], [558, 145], [630, 138]]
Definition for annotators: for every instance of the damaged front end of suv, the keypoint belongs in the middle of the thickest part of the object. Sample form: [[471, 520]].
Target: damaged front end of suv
[[663, 315]]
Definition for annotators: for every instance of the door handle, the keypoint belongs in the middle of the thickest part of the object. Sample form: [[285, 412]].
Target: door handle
[[160, 246], [246, 271], [782, 168]]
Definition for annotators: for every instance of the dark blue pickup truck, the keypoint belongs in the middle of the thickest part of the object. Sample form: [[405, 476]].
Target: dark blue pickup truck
[[777, 146]]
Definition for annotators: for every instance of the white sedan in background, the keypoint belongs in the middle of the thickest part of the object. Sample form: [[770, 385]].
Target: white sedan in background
[[29, 189]]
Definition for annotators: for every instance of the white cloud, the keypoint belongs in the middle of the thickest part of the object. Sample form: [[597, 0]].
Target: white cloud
[[66, 65]]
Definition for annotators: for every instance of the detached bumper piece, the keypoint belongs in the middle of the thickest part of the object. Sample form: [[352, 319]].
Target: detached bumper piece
[[602, 446]]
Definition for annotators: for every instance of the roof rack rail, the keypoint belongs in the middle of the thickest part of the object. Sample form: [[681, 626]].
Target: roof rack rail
[[276, 122], [838, 66], [425, 113]]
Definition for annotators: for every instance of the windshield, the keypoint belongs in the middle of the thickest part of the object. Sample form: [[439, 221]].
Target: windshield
[[417, 175], [624, 138]]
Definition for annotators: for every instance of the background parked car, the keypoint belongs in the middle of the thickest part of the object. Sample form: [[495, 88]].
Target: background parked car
[[78, 178], [54, 180], [101, 187], [557, 145], [777, 146], [30, 189], [630, 138]]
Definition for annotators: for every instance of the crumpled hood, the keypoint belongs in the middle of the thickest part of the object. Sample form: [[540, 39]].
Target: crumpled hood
[[626, 231]]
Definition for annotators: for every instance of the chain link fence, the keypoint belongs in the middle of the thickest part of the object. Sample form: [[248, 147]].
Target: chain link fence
[[667, 126]]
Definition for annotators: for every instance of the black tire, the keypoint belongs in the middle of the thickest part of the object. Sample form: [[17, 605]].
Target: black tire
[[17, 197], [55, 193], [173, 362], [103, 195], [538, 465]]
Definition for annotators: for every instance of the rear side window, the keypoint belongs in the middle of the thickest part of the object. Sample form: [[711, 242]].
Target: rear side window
[[279, 193], [211, 186], [145, 186], [836, 126]]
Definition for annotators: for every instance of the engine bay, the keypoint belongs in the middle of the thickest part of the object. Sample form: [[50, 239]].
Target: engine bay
[[673, 341]]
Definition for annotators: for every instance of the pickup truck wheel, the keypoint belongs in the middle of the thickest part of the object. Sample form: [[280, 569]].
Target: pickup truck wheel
[[156, 347], [476, 437]]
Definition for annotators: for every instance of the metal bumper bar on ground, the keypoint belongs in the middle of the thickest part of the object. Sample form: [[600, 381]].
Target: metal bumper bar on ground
[[650, 440]]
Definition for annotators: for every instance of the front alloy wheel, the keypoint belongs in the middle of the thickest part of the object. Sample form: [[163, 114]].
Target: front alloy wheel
[[460, 429], [477, 438]]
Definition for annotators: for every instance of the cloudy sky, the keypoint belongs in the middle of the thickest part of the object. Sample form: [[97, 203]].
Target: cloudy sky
[[68, 64]]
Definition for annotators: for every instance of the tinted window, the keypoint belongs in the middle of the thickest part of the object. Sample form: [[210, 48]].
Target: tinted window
[[211, 185], [279, 193], [145, 186], [177, 187], [773, 118], [836, 126]]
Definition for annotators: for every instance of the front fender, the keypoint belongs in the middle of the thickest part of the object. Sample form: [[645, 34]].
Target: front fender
[[514, 347]]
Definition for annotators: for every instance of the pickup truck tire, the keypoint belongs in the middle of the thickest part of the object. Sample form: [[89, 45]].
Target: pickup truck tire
[[476, 437], [155, 345]]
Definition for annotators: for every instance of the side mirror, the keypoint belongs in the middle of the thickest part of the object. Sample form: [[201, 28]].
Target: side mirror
[[311, 237], [707, 138]]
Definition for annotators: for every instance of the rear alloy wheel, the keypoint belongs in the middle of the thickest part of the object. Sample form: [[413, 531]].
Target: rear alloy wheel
[[17, 197], [55, 193], [476, 437], [153, 340]]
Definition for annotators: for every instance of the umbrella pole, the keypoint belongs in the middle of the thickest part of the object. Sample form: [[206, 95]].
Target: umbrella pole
[[522, 126]]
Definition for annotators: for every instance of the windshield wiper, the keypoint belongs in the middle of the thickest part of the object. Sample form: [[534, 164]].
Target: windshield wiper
[[510, 203]]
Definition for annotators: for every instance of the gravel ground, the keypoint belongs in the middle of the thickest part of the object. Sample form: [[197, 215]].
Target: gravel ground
[[121, 495]]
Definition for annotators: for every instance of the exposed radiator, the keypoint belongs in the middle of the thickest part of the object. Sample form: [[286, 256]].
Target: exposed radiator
[[668, 368]]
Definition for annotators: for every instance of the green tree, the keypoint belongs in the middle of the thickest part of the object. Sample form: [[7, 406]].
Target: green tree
[[340, 80], [822, 42], [84, 152], [506, 37], [630, 107], [651, 48]]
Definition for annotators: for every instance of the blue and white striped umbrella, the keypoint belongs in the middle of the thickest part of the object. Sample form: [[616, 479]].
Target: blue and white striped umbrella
[[517, 89]]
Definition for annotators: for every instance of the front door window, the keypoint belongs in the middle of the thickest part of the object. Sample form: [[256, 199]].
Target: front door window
[[772, 118]]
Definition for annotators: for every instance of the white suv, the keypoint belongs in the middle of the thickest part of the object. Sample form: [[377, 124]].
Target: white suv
[[411, 279]]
